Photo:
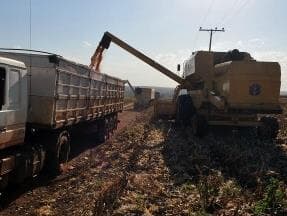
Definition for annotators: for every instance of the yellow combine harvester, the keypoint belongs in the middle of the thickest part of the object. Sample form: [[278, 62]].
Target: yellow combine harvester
[[220, 88], [230, 88]]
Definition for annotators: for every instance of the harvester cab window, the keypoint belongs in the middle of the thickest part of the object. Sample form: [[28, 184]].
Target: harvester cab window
[[2, 86]]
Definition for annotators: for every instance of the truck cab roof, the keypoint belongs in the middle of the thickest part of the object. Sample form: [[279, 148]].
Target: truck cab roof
[[12, 62]]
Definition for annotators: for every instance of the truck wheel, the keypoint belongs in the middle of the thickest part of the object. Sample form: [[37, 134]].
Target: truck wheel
[[184, 110], [108, 127], [4, 180], [269, 129], [103, 130], [199, 125], [114, 122], [64, 147], [58, 154]]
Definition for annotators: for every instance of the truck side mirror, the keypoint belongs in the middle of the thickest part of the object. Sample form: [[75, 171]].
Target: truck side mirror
[[178, 67]]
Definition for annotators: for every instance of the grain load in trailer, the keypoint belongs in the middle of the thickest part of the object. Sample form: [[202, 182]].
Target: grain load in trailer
[[45, 97]]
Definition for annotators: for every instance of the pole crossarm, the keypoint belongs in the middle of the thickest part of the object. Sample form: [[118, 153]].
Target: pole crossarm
[[211, 30]]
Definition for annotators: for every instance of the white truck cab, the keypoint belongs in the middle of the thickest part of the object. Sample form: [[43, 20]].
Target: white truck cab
[[13, 102]]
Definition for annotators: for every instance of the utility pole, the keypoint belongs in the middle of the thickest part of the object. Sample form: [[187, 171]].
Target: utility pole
[[211, 33]]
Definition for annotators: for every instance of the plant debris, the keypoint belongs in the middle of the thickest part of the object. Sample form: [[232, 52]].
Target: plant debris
[[153, 168]]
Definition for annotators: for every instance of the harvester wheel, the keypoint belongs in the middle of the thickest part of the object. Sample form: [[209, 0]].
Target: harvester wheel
[[58, 152], [184, 110], [199, 125], [269, 129]]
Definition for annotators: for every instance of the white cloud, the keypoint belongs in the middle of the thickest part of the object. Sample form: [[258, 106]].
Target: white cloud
[[76, 57], [251, 44], [171, 59], [276, 56], [86, 44], [256, 43], [17, 47]]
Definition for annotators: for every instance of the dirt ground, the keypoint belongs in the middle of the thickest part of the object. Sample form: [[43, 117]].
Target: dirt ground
[[152, 168], [39, 195]]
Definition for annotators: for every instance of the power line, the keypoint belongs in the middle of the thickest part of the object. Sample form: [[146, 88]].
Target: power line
[[211, 33], [229, 11], [207, 12], [30, 24], [242, 6], [237, 12], [203, 20], [234, 10], [30, 44]]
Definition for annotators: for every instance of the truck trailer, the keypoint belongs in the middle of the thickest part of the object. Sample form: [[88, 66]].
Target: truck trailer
[[42, 99]]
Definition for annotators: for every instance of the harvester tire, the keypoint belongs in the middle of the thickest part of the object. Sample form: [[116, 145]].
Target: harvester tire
[[199, 125], [184, 110], [269, 129]]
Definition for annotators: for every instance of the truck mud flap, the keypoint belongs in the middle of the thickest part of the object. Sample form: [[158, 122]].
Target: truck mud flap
[[7, 165]]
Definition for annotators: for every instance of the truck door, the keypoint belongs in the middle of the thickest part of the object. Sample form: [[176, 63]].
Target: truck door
[[3, 115], [16, 106]]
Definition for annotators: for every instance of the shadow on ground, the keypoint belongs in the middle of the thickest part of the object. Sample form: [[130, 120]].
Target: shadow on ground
[[228, 168], [81, 142], [237, 155]]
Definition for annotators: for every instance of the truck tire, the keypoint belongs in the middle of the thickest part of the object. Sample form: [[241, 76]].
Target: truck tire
[[184, 110], [115, 122], [103, 130], [269, 129], [4, 181], [58, 152], [199, 125]]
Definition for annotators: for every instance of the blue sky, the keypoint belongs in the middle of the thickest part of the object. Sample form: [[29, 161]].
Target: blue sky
[[166, 30]]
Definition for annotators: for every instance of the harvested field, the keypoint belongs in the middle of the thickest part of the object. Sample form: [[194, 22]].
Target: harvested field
[[152, 168], [222, 174]]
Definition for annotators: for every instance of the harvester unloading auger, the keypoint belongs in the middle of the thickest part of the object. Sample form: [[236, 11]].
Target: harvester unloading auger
[[223, 88], [105, 43]]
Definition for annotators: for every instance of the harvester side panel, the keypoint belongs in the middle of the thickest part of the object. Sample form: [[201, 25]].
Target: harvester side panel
[[249, 84]]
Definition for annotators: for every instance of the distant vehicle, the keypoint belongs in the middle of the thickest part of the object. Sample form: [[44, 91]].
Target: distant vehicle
[[144, 96], [42, 98]]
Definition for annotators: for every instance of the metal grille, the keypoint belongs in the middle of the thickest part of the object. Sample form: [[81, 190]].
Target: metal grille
[[82, 95]]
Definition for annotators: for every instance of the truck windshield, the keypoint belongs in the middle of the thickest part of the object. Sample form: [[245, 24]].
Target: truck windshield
[[2, 86]]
